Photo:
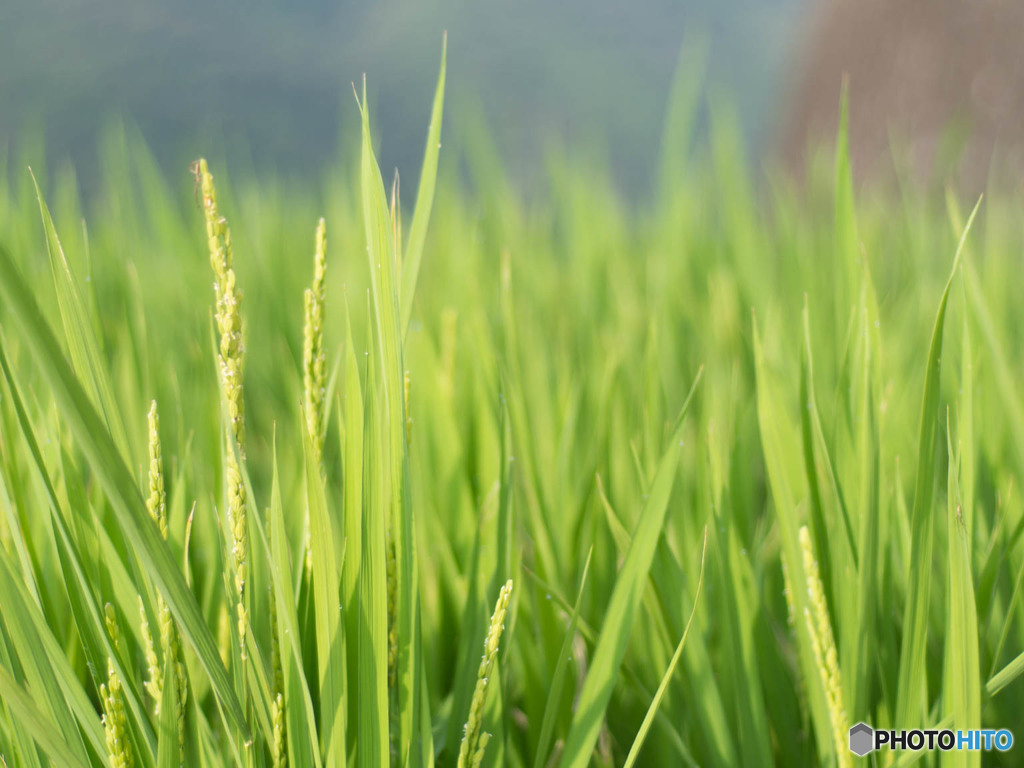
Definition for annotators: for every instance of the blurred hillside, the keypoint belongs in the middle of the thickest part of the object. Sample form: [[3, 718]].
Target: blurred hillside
[[936, 89], [269, 83]]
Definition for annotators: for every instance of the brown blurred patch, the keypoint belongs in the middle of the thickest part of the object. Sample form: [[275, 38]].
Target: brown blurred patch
[[941, 81]]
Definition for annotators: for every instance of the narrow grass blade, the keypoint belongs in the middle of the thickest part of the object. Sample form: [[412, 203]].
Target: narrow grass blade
[[554, 698], [965, 421], [622, 608], [681, 116], [1005, 676], [79, 332], [40, 663], [37, 724], [393, 471], [473, 629], [911, 695], [424, 198], [351, 449], [847, 245], [84, 605], [1011, 611], [372, 745], [13, 737], [118, 483], [652, 710], [326, 580], [744, 682], [303, 749], [776, 449], [963, 665]]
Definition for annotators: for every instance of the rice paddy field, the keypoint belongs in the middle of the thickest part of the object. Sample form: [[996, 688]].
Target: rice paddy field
[[488, 480]]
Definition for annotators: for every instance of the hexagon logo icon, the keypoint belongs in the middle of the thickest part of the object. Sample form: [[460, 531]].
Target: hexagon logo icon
[[862, 739]]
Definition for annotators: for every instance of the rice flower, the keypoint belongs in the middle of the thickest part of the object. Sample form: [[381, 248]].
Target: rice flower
[[478, 756], [113, 631], [823, 644], [156, 503], [280, 746], [115, 718], [314, 360], [471, 751], [229, 325], [174, 649], [314, 364], [154, 672], [115, 722]]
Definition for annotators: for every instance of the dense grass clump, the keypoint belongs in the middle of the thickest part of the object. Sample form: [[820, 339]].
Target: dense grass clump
[[701, 482]]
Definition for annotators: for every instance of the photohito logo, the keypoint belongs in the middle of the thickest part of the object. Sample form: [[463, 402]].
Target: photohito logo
[[865, 739], [862, 739]]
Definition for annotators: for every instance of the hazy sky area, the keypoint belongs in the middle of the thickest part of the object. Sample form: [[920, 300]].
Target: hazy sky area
[[541, 74]]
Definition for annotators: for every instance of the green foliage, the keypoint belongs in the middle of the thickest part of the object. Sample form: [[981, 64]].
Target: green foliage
[[495, 403]]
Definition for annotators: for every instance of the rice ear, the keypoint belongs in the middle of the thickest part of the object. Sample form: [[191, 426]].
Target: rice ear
[[229, 325], [471, 751]]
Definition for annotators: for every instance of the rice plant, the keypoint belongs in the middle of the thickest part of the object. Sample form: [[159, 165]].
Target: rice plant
[[704, 480]]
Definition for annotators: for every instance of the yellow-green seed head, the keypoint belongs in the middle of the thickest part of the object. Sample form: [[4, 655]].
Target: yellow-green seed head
[[239, 543], [154, 672], [471, 749], [181, 674], [478, 757], [170, 643], [229, 325], [156, 503], [115, 721], [314, 360], [823, 645], [228, 302], [280, 746], [113, 631]]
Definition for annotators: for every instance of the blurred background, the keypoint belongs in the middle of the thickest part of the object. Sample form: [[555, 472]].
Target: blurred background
[[268, 85]]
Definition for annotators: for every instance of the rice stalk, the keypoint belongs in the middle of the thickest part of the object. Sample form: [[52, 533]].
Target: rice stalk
[[823, 644], [115, 718], [279, 749], [229, 325], [314, 363], [156, 505], [471, 750], [368, 654], [314, 360], [170, 642], [154, 673]]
